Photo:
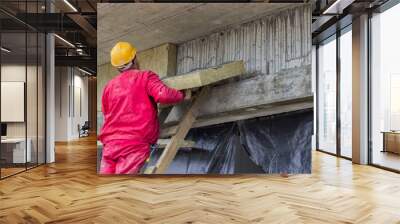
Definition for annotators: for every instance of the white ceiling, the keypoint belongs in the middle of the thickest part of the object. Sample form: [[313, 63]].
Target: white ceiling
[[148, 25]]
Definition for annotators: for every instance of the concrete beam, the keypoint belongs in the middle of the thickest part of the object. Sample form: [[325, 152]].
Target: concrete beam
[[284, 86], [253, 112], [161, 60]]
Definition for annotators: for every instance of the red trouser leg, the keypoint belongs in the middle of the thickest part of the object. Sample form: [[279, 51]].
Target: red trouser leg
[[131, 163], [124, 157], [107, 165]]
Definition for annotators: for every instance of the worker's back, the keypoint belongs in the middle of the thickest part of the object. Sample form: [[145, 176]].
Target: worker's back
[[129, 106]]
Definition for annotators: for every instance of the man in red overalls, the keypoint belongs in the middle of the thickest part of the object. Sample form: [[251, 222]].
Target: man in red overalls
[[129, 105]]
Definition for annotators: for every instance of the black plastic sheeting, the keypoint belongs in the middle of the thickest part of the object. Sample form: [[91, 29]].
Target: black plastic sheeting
[[273, 144]]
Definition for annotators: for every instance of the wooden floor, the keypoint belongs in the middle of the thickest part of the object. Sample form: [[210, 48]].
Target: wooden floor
[[70, 191], [10, 171]]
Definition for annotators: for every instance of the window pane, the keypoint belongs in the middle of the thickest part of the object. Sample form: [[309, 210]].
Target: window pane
[[386, 89], [14, 149], [327, 96], [31, 97], [23, 87], [345, 94]]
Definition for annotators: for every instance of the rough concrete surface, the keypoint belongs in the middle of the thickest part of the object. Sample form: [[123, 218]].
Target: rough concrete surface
[[161, 60], [256, 91], [266, 45], [150, 25]]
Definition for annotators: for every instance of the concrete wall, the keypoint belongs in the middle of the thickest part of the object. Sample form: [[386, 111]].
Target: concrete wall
[[70, 109], [276, 50], [62, 81], [266, 45], [161, 60]]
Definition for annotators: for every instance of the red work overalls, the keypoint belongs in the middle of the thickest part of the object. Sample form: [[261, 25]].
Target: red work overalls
[[130, 119]]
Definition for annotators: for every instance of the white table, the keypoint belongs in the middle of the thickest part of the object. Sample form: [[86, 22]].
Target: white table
[[19, 155]]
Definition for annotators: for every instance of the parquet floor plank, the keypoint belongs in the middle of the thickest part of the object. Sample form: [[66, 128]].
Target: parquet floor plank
[[70, 191]]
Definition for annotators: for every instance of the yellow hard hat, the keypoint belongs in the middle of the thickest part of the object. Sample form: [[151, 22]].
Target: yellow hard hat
[[122, 53]]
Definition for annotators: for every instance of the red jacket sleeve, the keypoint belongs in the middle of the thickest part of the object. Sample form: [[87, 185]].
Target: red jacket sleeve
[[162, 93]]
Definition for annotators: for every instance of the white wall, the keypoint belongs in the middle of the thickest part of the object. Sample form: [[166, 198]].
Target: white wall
[[61, 103], [82, 82], [12, 73], [69, 82], [79, 117]]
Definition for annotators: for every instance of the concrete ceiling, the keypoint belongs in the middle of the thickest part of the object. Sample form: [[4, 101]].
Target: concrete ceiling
[[149, 25]]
